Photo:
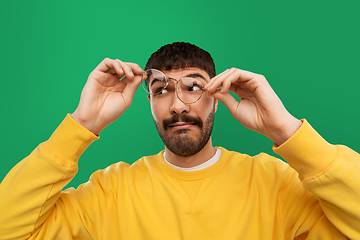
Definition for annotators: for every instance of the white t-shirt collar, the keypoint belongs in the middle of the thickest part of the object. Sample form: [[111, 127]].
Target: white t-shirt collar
[[204, 165]]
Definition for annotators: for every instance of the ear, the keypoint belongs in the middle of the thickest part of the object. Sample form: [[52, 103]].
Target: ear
[[215, 104], [148, 96]]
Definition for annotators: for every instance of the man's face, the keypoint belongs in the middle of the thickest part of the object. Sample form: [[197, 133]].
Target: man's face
[[184, 128]]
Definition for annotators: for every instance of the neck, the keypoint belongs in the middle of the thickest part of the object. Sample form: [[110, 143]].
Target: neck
[[191, 161]]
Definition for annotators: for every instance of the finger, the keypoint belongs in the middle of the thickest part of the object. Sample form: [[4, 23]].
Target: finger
[[110, 66], [105, 65], [136, 68], [255, 83], [238, 90], [127, 69], [233, 83], [227, 83], [216, 77], [218, 82], [235, 76], [118, 69], [133, 69], [245, 75], [243, 93]]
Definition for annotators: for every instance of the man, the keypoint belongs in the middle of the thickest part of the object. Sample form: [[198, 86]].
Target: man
[[191, 190]]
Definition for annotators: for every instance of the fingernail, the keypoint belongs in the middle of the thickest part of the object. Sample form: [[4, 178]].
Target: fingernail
[[131, 73]]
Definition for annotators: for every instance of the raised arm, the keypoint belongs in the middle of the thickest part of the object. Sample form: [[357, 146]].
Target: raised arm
[[331, 173], [31, 201]]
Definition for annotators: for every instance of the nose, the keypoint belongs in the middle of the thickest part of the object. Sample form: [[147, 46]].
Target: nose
[[178, 106]]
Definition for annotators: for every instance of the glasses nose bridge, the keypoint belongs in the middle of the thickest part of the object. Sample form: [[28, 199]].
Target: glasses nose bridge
[[176, 83], [174, 79], [177, 89]]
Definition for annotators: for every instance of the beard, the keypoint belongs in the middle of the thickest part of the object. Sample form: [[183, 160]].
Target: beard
[[181, 143]]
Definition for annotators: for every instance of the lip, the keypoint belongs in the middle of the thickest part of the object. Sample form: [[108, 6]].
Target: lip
[[181, 125]]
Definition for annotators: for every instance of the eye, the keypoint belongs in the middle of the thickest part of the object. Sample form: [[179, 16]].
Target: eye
[[161, 90], [191, 85], [158, 86], [194, 87]]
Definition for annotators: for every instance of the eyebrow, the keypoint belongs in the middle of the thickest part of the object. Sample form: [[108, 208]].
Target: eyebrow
[[190, 75], [196, 75], [155, 80]]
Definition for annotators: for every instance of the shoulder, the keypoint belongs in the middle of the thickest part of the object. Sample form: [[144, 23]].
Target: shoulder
[[122, 170], [260, 160], [262, 165]]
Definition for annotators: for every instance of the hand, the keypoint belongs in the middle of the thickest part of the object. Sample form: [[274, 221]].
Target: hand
[[259, 109], [104, 98]]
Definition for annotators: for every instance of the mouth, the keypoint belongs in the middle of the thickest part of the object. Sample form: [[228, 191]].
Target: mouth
[[182, 121], [181, 125]]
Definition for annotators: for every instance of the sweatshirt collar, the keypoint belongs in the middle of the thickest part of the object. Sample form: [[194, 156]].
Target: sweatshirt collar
[[192, 175]]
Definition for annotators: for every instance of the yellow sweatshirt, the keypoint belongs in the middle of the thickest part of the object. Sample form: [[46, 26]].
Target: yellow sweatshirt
[[239, 197]]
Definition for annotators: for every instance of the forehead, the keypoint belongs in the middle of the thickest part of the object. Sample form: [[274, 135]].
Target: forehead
[[180, 73]]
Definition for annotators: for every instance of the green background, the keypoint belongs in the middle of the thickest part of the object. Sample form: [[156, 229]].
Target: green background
[[308, 51]]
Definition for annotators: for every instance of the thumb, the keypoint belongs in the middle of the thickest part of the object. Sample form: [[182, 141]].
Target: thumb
[[132, 86], [228, 100]]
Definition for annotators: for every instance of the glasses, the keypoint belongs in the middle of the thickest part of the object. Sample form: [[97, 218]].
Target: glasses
[[188, 89]]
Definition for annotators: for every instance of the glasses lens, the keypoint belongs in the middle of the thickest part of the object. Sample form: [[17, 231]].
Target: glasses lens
[[153, 81], [189, 90]]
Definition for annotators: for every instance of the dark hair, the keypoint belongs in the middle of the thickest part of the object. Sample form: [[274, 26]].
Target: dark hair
[[180, 55]]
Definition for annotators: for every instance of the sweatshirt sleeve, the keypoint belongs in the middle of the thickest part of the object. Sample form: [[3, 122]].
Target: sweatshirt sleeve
[[332, 174], [30, 190]]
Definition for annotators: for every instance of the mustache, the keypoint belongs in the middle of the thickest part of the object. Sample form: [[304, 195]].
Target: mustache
[[182, 118]]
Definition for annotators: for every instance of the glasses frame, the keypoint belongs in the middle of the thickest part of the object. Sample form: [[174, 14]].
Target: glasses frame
[[176, 86]]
